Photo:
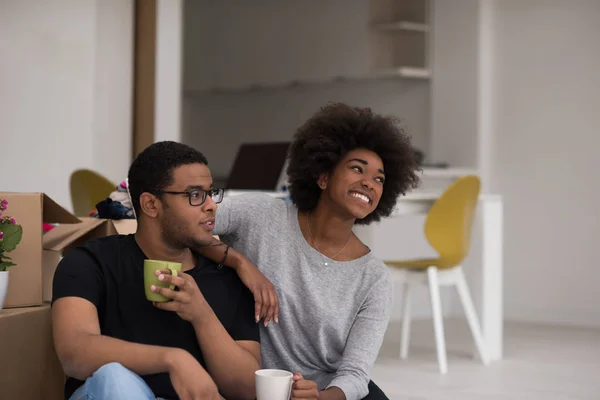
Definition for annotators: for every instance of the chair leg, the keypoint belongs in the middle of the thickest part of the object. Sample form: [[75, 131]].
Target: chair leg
[[405, 338], [467, 303], [438, 321]]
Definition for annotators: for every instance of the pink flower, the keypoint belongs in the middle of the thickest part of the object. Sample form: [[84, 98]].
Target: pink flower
[[8, 220], [1, 236], [3, 204]]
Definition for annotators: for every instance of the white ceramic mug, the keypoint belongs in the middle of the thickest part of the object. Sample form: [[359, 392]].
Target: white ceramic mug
[[273, 384]]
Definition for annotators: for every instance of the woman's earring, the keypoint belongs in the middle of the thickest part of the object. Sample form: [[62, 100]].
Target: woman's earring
[[322, 182]]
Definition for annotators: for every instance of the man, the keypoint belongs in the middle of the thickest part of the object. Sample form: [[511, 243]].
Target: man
[[115, 344]]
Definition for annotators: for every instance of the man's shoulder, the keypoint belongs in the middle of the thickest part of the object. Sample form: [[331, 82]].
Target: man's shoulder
[[108, 245], [109, 242], [102, 250], [82, 272], [207, 267], [227, 277]]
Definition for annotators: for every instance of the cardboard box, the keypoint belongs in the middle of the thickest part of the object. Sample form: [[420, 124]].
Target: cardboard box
[[30, 368], [30, 282]]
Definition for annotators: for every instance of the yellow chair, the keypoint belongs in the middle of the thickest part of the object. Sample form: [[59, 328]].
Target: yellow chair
[[88, 188], [448, 230]]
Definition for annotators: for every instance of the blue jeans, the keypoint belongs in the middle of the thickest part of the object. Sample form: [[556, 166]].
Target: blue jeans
[[115, 382]]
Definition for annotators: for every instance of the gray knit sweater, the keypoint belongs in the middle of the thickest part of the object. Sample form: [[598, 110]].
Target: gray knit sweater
[[332, 317]]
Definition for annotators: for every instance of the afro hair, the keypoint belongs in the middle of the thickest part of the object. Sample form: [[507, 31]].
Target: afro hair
[[322, 141]]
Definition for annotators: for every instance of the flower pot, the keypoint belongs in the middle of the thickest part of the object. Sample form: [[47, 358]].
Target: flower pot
[[3, 287]]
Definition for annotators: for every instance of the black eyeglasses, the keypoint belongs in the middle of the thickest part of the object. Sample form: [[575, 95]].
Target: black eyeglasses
[[197, 197]]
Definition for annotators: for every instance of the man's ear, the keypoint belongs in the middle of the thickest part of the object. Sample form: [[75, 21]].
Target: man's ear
[[322, 181], [150, 204]]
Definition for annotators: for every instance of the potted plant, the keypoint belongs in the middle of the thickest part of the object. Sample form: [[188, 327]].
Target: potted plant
[[10, 236]]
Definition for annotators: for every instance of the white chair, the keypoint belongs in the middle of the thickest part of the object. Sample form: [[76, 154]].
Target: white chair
[[448, 230]]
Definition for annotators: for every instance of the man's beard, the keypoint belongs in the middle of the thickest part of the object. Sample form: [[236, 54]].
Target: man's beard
[[174, 234]]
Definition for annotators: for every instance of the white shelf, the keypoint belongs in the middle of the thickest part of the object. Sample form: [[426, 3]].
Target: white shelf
[[399, 36], [401, 26], [403, 72], [387, 73], [447, 173]]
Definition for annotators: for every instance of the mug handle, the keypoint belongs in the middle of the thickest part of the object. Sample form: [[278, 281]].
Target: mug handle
[[173, 273]]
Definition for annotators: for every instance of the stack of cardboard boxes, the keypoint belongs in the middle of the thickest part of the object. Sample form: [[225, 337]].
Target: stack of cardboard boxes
[[30, 368]]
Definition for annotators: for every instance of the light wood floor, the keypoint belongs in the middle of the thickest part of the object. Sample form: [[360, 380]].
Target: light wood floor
[[541, 362]]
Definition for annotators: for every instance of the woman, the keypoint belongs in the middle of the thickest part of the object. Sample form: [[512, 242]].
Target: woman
[[347, 166]]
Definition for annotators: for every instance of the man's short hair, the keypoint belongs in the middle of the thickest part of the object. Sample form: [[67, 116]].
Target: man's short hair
[[152, 169]]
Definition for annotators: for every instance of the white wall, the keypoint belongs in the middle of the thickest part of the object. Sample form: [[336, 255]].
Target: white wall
[[113, 93], [454, 86], [167, 103], [546, 123], [65, 92], [267, 42], [275, 116]]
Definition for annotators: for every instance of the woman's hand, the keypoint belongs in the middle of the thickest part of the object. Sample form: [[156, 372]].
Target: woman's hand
[[303, 389], [266, 302]]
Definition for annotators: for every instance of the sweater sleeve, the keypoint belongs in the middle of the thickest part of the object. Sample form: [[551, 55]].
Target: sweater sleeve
[[237, 211], [364, 341]]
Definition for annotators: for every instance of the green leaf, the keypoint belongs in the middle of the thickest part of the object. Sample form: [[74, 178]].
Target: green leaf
[[12, 236], [6, 264]]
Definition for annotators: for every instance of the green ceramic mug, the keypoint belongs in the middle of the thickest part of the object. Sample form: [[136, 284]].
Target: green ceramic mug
[[150, 278]]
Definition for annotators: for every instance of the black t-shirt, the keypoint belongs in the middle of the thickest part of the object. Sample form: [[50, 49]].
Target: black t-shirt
[[109, 273]]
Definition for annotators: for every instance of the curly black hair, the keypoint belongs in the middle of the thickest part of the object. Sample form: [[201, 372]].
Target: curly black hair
[[322, 141], [152, 169]]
